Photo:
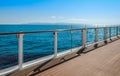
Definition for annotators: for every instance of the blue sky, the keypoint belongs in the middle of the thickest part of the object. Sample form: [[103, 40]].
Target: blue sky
[[67, 11]]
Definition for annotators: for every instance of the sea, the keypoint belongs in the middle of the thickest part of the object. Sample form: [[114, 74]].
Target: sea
[[39, 45]]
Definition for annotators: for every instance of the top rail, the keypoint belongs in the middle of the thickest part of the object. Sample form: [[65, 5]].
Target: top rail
[[42, 31]]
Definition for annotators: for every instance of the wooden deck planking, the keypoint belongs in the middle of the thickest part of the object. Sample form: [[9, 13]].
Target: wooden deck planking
[[104, 61]]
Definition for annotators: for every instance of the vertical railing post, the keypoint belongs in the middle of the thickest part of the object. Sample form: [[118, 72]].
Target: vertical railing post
[[20, 48], [55, 44], [71, 33], [117, 31], [96, 34], [105, 33], [110, 32], [84, 37]]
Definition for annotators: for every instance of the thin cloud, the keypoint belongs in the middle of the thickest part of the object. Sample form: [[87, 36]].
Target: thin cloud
[[53, 17], [77, 19], [57, 17]]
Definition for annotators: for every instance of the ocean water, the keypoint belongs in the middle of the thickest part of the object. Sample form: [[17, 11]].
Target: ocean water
[[41, 44]]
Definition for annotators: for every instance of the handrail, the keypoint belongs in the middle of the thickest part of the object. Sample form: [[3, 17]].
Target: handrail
[[58, 30], [42, 31]]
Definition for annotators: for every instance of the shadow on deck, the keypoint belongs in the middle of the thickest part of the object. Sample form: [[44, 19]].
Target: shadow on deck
[[104, 61]]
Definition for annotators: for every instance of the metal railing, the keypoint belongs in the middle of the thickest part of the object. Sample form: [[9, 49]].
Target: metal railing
[[20, 36]]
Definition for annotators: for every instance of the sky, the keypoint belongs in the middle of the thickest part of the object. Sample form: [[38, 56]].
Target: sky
[[60, 11]]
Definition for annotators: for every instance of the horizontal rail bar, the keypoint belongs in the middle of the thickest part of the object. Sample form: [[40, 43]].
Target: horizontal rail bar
[[42, 31]]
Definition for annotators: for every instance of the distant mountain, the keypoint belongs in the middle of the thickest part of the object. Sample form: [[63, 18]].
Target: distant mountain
[[54, 24]]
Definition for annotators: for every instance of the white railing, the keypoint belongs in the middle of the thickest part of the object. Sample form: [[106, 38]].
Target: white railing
[[20, 36]]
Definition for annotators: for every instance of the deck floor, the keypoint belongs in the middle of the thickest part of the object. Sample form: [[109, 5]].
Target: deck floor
[[104, 61]]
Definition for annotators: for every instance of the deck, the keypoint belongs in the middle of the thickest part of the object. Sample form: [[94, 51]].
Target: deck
[[103, 61]]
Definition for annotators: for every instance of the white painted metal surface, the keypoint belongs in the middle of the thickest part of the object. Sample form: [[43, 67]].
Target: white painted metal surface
[[96, 34], [55, 44], [84, 37], [20, 49], [105, 33]]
